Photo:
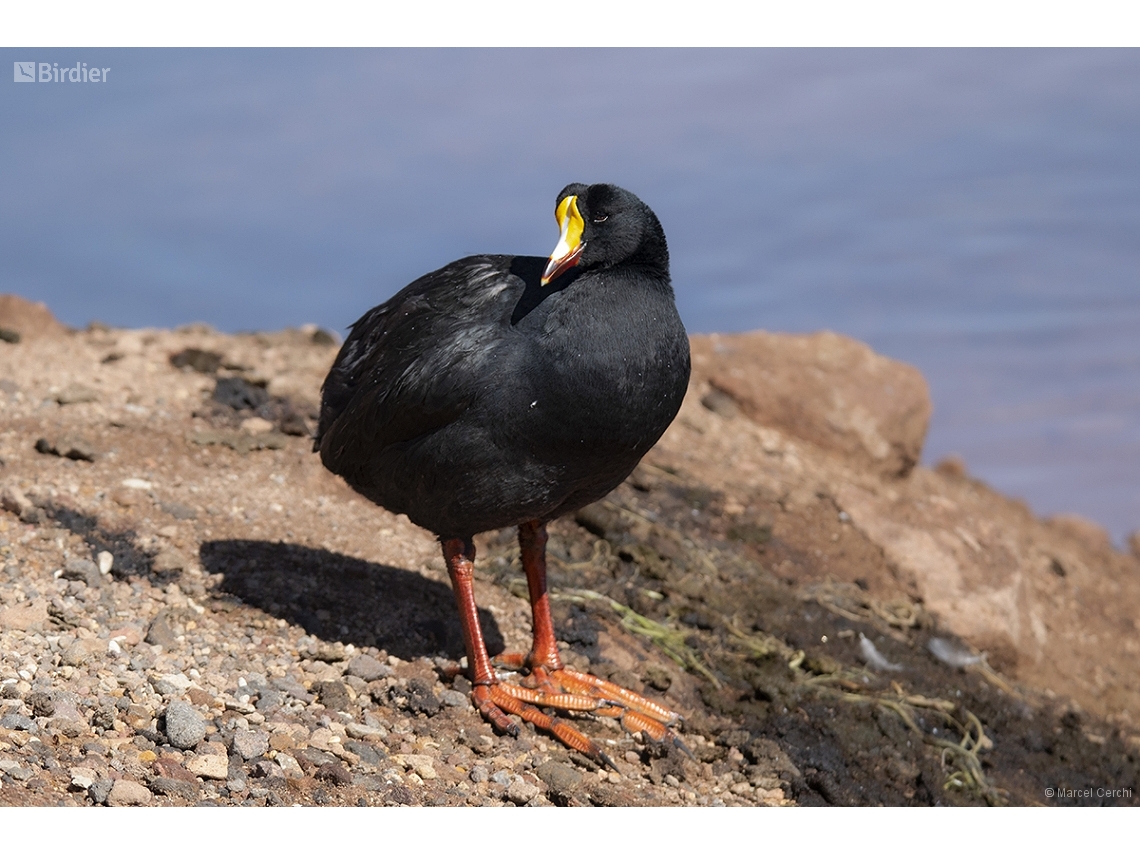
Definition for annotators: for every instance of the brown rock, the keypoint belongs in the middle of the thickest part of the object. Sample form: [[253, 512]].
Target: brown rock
[[175, 787], [334, 772], [127, 498], [163, 630], [213, 766], [561, 779], [1085, 530], [198, 697], [71, 447], [76, 393], [282, 742], [25, 616], [830, 390], [127, 636], [126, 793], [12, 499], [139, 718], [1134, 543], [203, 361], [30, 320], [82, 650], [170, 560], [170, 767]]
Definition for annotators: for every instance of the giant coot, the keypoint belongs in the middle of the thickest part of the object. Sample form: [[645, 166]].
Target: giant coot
[[509, 390]]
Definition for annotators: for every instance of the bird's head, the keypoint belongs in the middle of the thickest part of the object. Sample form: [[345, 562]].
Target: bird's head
[[602, 226]]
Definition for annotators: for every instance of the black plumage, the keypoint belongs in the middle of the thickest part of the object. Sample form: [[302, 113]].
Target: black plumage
[[509, 390], [478, 398]]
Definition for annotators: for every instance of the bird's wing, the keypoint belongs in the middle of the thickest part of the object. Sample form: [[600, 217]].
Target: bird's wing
[[411, 365]]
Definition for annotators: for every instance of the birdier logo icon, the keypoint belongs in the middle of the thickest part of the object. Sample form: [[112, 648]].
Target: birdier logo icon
[[50, 72]]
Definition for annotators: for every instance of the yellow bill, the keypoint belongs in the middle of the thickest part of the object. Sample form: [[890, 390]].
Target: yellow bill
[[570, 244]]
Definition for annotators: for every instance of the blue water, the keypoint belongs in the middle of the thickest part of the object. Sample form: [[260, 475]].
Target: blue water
[[974, 212]]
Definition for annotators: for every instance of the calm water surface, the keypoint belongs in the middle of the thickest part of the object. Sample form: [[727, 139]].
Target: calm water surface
[[973, 212]]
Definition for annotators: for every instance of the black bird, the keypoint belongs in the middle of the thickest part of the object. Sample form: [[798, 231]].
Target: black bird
[[507, 391]]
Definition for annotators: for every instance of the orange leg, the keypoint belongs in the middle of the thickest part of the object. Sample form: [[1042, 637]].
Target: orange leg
[[554, 686], [490, 696], [532, 548], [548, 684], [460, 557]]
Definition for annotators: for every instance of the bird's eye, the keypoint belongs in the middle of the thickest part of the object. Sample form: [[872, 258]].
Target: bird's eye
[[600, 218]]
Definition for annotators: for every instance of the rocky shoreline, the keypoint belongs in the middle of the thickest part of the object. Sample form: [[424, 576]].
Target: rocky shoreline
[[193, 611]]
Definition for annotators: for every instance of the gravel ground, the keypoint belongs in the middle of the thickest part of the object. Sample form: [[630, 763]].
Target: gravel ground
[[193, 611], [125, 692], [144, 661]]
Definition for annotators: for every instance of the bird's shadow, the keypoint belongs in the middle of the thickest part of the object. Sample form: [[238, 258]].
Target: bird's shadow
[[339, 598]]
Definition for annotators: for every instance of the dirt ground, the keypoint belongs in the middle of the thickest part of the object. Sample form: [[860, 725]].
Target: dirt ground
[[772, 590]]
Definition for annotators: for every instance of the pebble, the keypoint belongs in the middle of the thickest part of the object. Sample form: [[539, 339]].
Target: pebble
[[289, 765], [25, 616], [364, 731], [267, 769], [503, 778], [42, 703], [452, 698], [270, 700], [334, 694], [99, 791], [178, 510], [185, 726], [364, 751], [249, 744], [216, 767], [126, 793], [15, 721], [83, 570], [334, 772], [176, 788], [161, 633], [561, 778], [169, 684], [81, 651], [520, 792], [314, 757], [256, 425], [82, 777], [479, 775], [14, 770], [282, 742], [13, 499], [72, 448], [368, 668], [76, 393], [240, 394], [421, 764], [169, 561], [168, 766]]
